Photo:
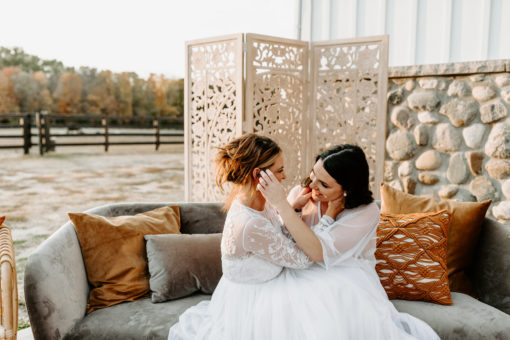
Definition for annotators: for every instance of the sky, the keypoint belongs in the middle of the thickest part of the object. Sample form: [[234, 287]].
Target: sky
[[132, 35]]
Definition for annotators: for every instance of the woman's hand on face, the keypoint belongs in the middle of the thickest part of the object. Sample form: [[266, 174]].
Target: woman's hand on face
[[336, 206], [303, 197], [271, 188]]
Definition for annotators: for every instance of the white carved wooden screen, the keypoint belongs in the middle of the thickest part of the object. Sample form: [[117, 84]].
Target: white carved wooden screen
[[348, 101], [276, 97], [345, 101], [213, 109]]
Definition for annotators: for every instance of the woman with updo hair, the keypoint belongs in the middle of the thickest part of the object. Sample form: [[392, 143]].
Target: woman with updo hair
[[291, 274]]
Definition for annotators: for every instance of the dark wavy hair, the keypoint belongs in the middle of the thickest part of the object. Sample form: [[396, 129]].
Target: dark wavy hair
[[348, 165]]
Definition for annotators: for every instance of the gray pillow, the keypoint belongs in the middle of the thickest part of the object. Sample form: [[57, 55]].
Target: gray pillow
[[182, 264]]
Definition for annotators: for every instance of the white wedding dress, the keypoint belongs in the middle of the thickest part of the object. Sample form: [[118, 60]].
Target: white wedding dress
[[271, 290]]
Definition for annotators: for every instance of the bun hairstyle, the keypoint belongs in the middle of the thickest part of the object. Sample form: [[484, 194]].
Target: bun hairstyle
[[236, 161], [348, 165]]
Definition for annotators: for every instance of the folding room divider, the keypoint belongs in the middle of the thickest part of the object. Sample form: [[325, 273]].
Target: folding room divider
[[306, 96]]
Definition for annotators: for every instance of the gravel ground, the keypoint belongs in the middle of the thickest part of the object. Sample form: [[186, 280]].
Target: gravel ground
[[37, 192]]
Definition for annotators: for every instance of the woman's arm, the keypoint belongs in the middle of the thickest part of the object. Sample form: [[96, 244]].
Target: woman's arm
[[305, 238]]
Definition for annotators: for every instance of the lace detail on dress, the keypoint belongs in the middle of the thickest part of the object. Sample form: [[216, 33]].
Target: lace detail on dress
[[254, 247]]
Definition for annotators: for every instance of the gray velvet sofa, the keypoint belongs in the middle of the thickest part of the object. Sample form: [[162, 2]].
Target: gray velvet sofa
[[56, 288]]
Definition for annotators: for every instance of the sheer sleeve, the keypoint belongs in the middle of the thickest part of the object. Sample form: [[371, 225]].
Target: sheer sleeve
[[265, 240], [352, 235]]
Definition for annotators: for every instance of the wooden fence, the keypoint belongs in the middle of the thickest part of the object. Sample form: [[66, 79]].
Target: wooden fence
[[47, 140]]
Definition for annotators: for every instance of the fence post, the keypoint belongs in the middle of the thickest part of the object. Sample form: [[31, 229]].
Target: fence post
[[40, 130], [26, 123], [104, 122], [48, 143], [155, 123]]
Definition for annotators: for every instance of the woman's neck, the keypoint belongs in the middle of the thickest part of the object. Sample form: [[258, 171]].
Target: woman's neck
[[251, 199]]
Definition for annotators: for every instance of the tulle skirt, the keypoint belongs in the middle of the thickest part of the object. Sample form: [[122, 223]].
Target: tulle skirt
[[345, 302]]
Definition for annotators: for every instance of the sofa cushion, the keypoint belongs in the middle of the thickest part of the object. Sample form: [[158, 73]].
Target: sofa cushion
[[180, 265], [411, 256], [135, 320], [114, 253], [465, 227], [466, 319]]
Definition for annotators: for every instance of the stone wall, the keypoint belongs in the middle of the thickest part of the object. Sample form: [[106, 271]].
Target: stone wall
[[448, 133]]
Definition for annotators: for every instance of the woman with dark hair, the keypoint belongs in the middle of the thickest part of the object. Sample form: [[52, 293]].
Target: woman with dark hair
[[338, 231]]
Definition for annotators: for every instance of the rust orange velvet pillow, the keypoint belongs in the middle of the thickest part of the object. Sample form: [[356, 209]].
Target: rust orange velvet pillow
[[113, 250], [411, 256], [465, 226], [2, 219]]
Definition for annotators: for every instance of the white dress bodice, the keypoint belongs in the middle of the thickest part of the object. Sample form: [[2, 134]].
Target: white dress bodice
[[255, 247]]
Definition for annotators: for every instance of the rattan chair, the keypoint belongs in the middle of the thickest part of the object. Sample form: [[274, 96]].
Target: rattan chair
[[8, 285]]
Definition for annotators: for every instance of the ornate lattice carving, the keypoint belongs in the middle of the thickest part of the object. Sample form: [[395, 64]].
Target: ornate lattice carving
[[276, 74], [348, 98], [214, 110]]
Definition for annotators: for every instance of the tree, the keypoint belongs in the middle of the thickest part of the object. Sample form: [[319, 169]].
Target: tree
[[175, 96], [68, 93], [139, 101], [124, 94], [26, 90]]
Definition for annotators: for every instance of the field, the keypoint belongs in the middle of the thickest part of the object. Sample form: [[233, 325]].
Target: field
[[37, 192]]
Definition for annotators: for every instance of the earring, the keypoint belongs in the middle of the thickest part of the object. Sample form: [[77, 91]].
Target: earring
[[345, 194]]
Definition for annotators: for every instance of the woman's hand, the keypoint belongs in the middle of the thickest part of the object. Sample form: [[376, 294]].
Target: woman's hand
[[305, 194], [271, 189], [335, 207]]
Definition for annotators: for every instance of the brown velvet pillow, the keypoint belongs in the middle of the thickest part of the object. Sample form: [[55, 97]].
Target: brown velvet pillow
[[114, 253], [181, 265], [411, 256], [465, 226], [2, 219]]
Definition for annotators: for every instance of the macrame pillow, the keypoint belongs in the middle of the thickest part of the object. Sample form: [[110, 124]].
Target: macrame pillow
[[411, 256]]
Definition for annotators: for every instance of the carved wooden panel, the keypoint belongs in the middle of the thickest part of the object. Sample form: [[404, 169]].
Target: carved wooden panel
[[276, 98], [348, 101], [214, 109]]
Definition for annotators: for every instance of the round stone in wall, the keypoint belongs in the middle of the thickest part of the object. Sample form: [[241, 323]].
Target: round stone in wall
[[493, 111], [505, 188], [483, 93], [447, 138], [498, 142], [427, 117], [459, 88], [498, 168], [401, 145], [428, 83], [429, 160], [473, 135], [421, 134], [503, 80], [475, 161], [505, 94], [395, 97], [482, 188], [460, 111], [457, 172], [428, 178], [400, 118], [405, 169], [409, 185], [410, 85], [389, 170], [448, 191], [423, 101], [502, 210]]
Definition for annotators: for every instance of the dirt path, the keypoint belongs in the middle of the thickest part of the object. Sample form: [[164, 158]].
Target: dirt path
[[36, 193]]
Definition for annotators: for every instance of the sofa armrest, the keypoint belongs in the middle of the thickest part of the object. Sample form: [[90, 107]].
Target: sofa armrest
[[491, 269], [56, 287]]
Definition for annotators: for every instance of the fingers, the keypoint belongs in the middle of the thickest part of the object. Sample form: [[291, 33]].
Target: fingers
[[268, 175]]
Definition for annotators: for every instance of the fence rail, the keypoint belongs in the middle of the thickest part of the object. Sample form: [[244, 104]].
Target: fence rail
[[47, 140]]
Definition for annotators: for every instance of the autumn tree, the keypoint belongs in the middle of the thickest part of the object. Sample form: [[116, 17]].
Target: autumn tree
[[68, 93], [124, 94]]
